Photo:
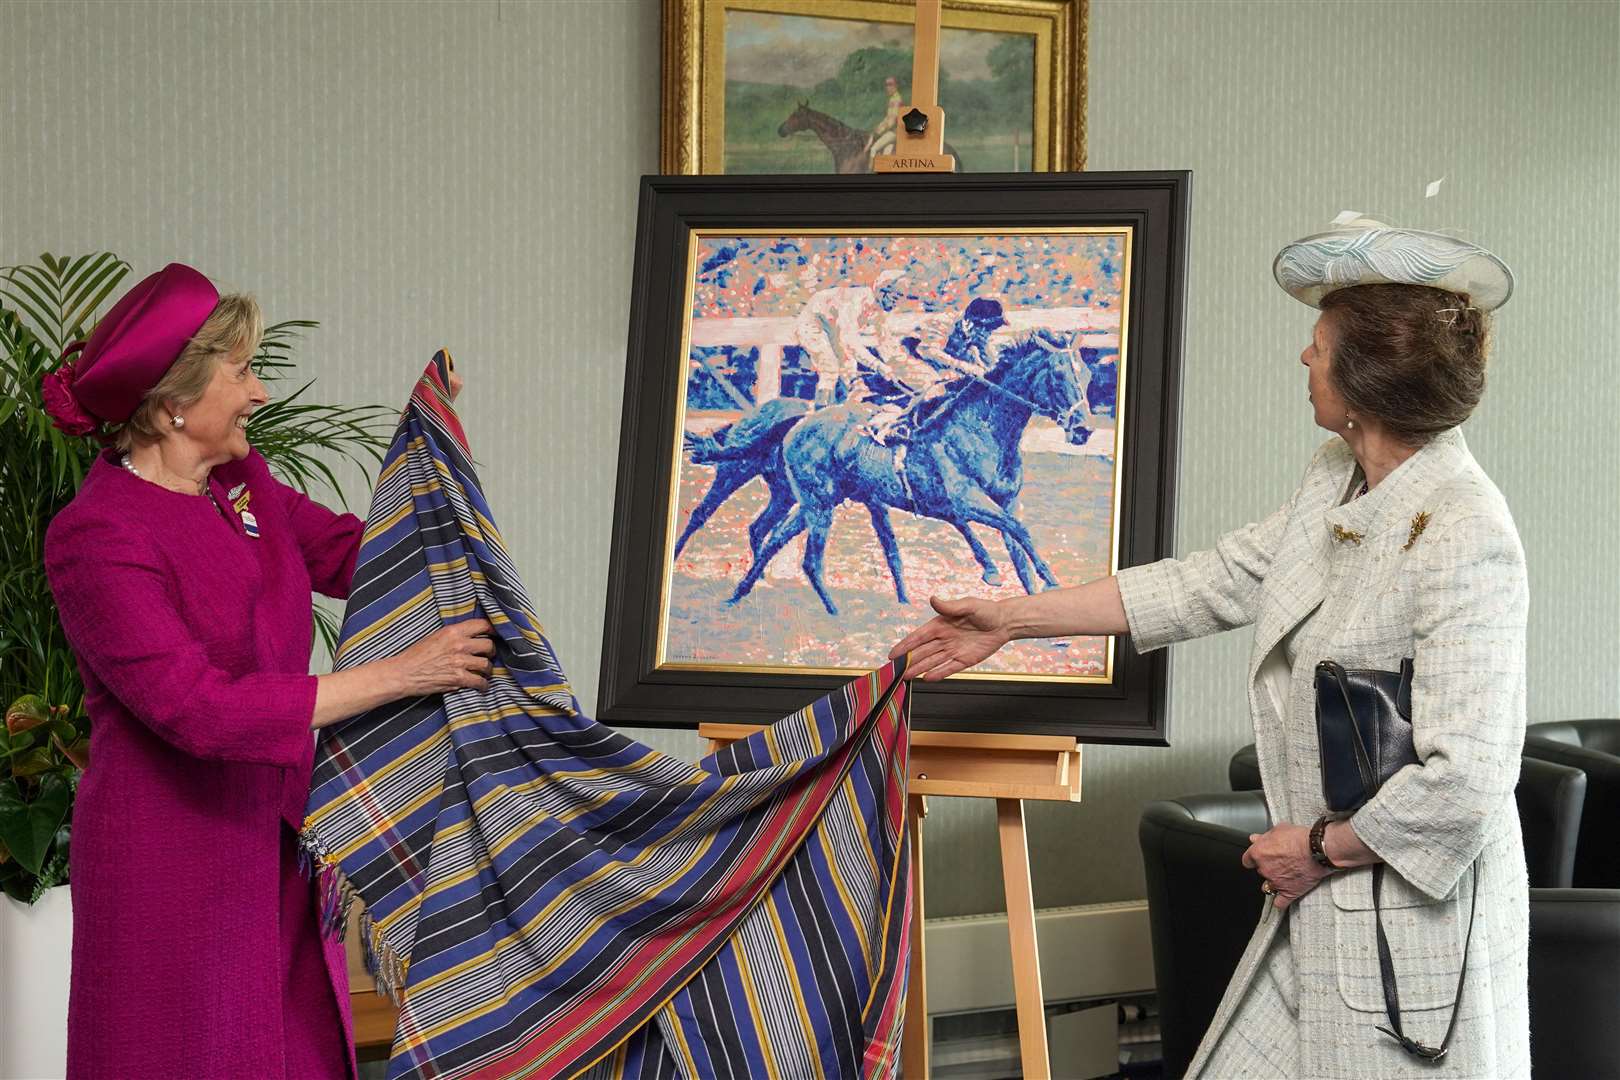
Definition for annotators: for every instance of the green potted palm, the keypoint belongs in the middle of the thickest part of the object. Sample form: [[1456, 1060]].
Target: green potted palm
[[44, 744]]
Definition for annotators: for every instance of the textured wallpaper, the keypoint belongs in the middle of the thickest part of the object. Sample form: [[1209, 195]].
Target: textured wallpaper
[[464, 174]]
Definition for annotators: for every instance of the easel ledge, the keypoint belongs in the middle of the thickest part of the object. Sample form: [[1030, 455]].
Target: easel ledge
[[970, 764]]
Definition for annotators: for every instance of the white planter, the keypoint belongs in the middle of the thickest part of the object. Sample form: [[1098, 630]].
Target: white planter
[[36, 944]]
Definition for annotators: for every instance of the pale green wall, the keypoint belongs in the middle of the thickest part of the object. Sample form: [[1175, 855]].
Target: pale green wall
[[1288, 113], [418, 174]]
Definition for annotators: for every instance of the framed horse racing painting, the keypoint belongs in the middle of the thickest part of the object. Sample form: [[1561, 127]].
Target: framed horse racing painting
[[816, 86], [844, 395]]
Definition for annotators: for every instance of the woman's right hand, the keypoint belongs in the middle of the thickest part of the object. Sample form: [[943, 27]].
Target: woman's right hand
[[454, 658], [965, 632]]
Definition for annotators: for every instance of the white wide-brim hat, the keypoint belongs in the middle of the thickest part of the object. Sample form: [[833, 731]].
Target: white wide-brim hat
[[1367, 252]]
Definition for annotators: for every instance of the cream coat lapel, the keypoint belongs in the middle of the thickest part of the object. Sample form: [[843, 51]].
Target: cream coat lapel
[[1293, 589], [1299, 571]]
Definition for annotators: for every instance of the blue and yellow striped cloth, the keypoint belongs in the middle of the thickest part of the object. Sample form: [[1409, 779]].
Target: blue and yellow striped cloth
[[546, 897]]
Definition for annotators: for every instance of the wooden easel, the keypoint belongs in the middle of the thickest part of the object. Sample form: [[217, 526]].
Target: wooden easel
[[920, 147], [1008, 769]]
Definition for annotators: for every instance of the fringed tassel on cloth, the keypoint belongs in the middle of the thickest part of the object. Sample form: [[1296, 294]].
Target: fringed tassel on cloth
[[337, 897]]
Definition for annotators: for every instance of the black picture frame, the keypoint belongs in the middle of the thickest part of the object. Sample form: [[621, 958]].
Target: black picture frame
[[633, 690]]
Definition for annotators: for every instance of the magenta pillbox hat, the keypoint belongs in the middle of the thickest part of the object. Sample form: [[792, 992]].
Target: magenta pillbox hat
[[130, 350]]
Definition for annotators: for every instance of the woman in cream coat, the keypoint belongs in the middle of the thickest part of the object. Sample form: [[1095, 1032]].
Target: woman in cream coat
[[1395, 546]]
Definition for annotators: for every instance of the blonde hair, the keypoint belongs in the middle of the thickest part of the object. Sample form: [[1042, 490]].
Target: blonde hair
[[234, 327]]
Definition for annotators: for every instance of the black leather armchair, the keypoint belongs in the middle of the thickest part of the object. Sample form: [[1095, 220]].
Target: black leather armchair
[[1592, 746], [1243, 771], [1574, 982], [1550, 798], [1202, 907]]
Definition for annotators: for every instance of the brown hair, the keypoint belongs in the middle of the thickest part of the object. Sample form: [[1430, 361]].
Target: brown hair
[[234, 325], [1409, 356]]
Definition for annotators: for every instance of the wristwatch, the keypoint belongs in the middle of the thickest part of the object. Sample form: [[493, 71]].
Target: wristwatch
[[1318, 852]]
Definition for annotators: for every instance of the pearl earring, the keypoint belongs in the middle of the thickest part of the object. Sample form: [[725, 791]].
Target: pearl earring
[[178, 421], [1349, 424]]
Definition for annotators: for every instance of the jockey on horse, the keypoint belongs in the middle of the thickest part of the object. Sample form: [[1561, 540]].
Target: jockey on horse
[[847, 335], [910, 376], [839, 327]]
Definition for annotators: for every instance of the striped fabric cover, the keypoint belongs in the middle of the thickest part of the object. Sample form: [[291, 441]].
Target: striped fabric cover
[[546, 897]]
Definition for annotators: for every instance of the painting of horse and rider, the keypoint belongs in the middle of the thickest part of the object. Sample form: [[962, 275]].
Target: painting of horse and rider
[[816, 93], [817, 86], [871, 419]]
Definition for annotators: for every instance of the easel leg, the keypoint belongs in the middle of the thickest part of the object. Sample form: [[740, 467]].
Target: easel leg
[[1026, 961], [914, 1040]]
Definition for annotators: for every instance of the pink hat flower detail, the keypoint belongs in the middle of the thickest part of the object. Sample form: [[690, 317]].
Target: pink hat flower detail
[[56, 390]]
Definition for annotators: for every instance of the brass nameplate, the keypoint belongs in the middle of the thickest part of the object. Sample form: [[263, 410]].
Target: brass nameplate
[[893, 163]]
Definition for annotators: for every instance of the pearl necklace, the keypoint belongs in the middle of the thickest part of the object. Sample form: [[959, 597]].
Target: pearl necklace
[[130, 467]]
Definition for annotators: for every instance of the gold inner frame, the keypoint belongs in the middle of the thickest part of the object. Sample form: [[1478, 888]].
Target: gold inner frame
[[692, 132], [675, 458]]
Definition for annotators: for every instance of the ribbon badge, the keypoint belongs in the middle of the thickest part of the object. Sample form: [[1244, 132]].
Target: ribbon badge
[[243, 497]]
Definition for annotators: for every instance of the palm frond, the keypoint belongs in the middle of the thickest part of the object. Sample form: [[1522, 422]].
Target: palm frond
[[60, 295], [274, 355], [327, 628], [26, 291], [90, 280], [296, 437]]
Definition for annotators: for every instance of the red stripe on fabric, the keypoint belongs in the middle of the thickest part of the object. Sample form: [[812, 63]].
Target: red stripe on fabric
[[435, 397], [881, 1046], [797, 814], [381, 826]]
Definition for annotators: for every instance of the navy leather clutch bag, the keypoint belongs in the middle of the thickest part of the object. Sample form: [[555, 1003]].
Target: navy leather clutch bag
[[1364, 729]]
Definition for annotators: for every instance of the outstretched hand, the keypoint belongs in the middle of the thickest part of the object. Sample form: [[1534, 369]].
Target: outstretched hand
[[965, 632]]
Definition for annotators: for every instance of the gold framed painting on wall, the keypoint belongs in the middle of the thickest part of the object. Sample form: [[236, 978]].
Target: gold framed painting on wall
[[813, 86]]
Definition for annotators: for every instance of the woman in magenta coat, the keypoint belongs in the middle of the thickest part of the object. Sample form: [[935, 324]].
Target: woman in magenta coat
[[183, 571]]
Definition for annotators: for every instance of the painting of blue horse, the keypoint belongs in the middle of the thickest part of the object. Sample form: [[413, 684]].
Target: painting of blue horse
[[871, 420]]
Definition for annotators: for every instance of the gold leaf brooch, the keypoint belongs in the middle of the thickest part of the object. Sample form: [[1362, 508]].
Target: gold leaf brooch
[[1419, 523]]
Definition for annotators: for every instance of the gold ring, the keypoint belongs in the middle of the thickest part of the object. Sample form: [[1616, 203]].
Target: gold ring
[[1265, 887]]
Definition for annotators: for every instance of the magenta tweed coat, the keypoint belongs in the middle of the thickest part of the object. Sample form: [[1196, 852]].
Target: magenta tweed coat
[[196, 948]]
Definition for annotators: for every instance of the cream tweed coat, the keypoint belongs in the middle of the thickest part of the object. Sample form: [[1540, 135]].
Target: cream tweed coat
[[1427, 565]]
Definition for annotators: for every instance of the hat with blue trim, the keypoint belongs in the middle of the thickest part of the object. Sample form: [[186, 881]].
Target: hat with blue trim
[[1367, 252]]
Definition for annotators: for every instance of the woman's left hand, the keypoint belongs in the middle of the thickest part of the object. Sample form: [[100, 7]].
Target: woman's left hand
[[456, 384], [1282, 854]]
